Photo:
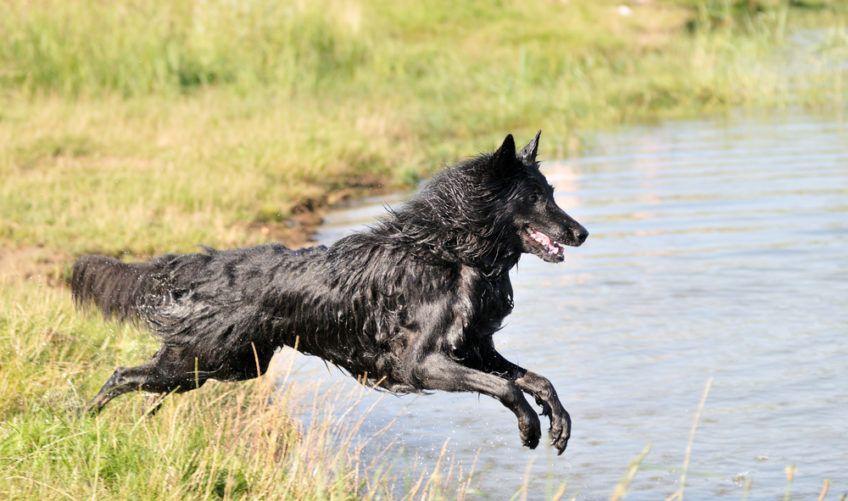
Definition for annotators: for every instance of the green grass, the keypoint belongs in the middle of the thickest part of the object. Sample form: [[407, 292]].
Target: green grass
[[156, 126], [224, 441], [144, 127], [53, 358]]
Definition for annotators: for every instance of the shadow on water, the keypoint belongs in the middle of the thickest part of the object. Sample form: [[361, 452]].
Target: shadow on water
[[718, 249]]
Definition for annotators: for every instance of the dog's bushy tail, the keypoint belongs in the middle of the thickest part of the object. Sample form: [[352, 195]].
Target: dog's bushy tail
[[116, 288]]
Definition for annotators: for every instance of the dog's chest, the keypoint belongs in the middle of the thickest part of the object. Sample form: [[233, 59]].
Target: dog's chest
[[483, 303]]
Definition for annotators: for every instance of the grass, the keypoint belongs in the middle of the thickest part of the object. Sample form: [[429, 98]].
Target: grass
[[219, 123], [139, 128], [225, 441]]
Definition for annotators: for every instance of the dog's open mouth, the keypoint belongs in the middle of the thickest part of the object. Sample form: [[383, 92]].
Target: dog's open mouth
[[543, 245]]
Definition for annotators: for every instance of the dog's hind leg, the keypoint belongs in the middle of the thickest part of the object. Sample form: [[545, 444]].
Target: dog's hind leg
[[438, 372], [123, 380], [160, 375]]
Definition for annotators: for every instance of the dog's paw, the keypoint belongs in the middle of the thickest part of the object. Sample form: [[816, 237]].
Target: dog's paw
[[152, 404], [530, 430], [546, 409], [560, 431]]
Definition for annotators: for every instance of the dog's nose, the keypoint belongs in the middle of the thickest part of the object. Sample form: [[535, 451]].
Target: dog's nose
[[580, 234]]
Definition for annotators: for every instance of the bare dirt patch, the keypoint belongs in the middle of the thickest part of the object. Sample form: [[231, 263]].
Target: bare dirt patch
[[33, 263], [299, 229]]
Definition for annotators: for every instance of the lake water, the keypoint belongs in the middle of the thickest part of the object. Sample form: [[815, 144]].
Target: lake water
[[718, 249]]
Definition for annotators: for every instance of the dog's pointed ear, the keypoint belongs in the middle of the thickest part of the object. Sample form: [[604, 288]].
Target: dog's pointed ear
[[504, 157], [527, 155]]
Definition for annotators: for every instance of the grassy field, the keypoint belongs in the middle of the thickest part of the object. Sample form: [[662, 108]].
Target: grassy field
[[138, 128]]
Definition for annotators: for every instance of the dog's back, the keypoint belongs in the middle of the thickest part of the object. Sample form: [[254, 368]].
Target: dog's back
[[344, 304]]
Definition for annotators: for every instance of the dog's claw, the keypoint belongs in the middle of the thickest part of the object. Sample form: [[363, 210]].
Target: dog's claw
[[560, 432], [560, 443]]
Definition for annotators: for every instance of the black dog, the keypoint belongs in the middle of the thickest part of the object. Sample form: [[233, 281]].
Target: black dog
[[409, 305]]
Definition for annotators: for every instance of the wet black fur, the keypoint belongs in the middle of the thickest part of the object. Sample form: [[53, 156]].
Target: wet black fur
[[409, 305]]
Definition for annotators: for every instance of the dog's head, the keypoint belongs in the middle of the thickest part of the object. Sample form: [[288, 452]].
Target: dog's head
[[541, 227]]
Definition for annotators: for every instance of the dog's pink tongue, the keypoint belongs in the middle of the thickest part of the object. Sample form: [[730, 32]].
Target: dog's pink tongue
[[541, 238]]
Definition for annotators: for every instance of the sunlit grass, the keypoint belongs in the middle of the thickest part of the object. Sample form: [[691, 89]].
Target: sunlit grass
[[222, 441], [152, 126]]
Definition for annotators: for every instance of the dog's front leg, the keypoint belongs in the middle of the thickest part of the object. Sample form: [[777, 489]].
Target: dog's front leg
[[540, 388], [546, 396], [438, 372]]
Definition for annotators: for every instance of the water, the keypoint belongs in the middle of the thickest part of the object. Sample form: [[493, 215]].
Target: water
[[716, 250]]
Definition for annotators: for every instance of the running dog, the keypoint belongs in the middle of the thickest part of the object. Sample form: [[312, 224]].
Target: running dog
[[408, 305]]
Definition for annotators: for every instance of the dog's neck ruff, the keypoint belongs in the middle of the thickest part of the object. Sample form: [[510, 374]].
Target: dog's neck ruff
[[458, 219], [495, 266], [449, 246]]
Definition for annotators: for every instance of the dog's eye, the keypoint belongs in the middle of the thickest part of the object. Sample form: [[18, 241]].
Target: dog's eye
[[534, 198]]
